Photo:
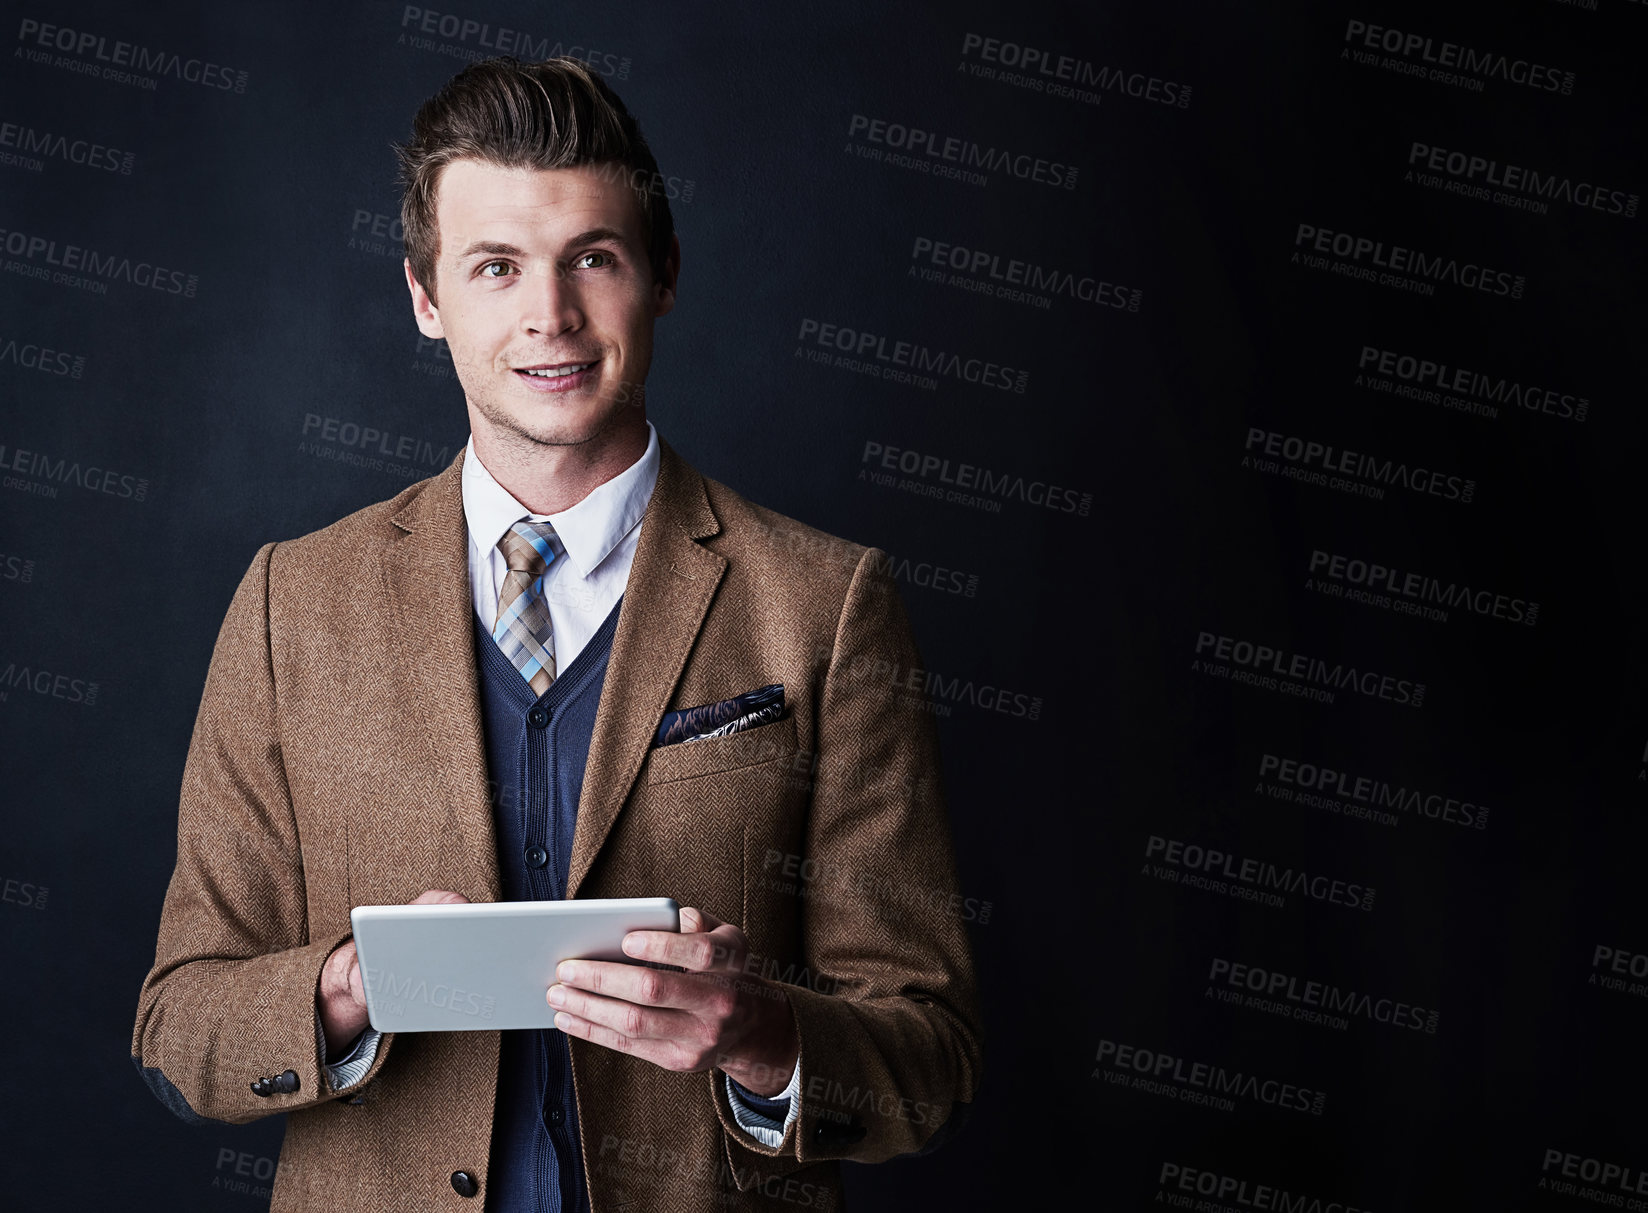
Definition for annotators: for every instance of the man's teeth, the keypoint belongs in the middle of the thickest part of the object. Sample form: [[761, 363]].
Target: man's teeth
[[559, 371]]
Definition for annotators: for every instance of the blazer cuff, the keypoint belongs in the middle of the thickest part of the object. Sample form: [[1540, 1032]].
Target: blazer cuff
[[349, 1069], [766, 1118]]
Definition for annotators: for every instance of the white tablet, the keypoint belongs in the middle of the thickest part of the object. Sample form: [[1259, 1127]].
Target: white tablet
[[481, 966]]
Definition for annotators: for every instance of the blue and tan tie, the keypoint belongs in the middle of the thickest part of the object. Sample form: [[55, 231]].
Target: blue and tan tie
[[523, 630]]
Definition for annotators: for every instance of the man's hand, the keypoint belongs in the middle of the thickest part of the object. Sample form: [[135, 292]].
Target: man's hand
[[714, 1016], [340, 996]]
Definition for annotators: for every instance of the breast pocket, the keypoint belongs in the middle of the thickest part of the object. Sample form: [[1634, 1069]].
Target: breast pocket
[[688, 759], [695, 807]]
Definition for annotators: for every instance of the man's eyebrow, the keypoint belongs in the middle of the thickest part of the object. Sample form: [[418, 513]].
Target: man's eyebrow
[[492, 248], [597, 235], [499, 248]]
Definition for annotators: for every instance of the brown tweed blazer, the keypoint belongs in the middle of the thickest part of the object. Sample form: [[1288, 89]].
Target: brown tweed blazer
[[338, 760]]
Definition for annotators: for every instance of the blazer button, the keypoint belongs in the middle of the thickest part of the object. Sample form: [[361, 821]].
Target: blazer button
[[463, 1183]]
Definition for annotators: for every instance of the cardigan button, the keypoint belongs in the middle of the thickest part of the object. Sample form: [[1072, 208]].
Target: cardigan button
[[535, 856], [537, 718], [463, 1183]]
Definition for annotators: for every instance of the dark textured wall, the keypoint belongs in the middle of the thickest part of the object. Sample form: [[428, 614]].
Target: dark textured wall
[[1282, 629]]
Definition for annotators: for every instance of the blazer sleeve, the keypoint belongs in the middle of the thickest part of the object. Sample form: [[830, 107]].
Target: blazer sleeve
[[232, 994], [891, 1055]]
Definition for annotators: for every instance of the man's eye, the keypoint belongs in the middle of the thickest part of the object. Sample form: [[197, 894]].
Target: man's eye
[[580, 262], [489, 265]]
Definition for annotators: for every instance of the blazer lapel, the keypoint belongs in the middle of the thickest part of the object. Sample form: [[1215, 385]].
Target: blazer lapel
[[426, 581], [666, 598]]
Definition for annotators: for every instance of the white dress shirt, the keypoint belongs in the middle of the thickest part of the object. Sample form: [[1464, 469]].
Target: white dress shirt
[[594, 546]]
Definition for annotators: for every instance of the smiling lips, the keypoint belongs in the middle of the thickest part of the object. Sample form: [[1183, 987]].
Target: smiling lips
[[548, 371], [558, 377]]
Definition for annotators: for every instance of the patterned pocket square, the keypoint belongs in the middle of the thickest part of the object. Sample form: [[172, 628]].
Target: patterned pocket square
[[718, 719]]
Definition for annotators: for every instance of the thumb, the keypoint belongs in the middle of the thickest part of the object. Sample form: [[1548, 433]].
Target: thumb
[[694, 920]]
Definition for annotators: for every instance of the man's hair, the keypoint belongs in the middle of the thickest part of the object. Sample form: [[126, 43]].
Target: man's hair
[[553, 114]]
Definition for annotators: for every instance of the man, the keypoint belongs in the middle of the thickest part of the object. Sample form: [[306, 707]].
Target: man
[[473, 691]]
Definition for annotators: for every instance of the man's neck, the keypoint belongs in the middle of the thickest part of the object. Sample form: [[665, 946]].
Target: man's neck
[[548, 479]]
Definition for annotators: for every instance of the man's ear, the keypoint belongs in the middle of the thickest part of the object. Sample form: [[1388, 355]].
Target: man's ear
[[423, 311], [663, 290]]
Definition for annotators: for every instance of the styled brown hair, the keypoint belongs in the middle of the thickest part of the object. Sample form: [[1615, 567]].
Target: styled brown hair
[[553, 114]]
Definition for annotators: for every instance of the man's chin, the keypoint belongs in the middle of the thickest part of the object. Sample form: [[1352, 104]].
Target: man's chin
[[565, 423]]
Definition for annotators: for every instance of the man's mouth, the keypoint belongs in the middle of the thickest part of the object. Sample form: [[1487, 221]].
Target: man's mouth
[[557, 371]]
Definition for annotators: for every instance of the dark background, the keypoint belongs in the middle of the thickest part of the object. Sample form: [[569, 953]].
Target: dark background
[[272, 200]]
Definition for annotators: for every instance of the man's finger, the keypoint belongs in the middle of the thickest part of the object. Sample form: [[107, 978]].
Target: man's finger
[[632, 983], [632, 1020], [659, 1053], [697, 952], [443, 897], [693, 919]]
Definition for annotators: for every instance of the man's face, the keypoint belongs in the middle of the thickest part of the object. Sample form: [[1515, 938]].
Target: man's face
[[544, 270]]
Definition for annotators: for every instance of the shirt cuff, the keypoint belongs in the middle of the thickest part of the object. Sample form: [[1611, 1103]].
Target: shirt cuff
[[766, 1118], [349, 1069]]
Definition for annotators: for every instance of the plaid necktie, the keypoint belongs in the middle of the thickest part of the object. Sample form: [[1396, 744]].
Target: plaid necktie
[[522, 630]]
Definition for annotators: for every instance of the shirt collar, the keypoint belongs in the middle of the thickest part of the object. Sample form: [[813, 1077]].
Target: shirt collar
[[587, 531]]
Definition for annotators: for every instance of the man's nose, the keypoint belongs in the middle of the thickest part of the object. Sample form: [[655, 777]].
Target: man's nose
[[550, 301]]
